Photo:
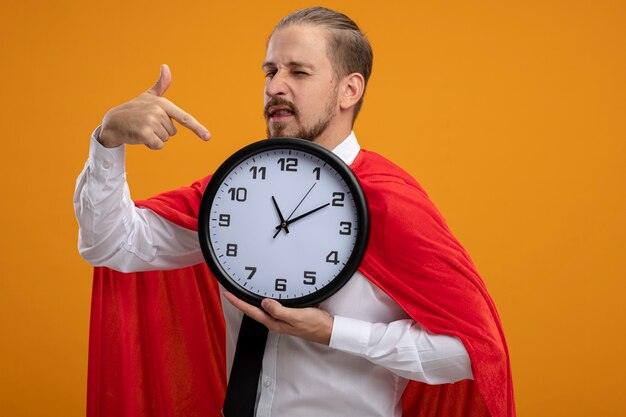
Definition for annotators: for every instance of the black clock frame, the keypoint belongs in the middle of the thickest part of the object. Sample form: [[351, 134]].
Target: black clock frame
[[294, 144]]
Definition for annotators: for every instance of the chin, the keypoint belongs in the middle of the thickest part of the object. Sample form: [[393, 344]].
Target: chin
[[278, 131], [274, 132]]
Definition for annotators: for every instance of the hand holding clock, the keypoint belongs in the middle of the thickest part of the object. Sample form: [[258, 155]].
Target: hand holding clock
[[309, 323], [232, 224]]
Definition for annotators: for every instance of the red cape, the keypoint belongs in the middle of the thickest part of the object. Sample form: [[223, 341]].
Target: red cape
[[157, 338]]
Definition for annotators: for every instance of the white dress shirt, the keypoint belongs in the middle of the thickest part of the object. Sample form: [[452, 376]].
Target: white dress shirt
[[375, 347]]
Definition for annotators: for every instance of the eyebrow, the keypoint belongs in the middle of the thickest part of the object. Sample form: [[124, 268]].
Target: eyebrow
[[290, 64]]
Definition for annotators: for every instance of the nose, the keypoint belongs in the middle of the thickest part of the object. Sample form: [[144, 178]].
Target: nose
[[276, 85]]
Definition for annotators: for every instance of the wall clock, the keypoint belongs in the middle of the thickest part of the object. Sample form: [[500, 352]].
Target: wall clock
[[285, 219]]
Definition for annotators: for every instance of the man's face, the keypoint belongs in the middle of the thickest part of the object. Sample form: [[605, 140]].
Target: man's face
[[301, 95]]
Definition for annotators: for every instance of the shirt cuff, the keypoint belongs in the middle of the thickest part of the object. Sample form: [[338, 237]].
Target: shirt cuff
[[350, 335], [106, 162]]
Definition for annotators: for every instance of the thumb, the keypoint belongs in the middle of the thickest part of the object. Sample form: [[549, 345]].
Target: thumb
[[275, 309], [165, 79]]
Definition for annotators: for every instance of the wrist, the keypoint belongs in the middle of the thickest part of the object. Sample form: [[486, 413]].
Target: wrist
[[106, 140], [350, 335], [329, 330]]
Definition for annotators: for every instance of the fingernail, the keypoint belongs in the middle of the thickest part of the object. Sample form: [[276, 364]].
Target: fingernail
[[206, 135]]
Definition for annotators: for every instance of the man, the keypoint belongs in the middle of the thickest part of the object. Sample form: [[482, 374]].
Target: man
[[355, 354]]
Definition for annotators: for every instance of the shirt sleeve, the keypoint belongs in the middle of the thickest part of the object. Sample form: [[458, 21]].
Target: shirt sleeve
[[116, 234], [405, 348]]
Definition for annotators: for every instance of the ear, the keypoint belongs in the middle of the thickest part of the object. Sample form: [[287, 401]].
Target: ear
[[351, 90]]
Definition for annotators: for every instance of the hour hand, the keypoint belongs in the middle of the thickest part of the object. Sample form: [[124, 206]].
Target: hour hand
[[283, 223], [308, 213]]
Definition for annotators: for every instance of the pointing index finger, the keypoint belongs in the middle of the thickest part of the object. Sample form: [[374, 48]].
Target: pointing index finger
[[185, 119]]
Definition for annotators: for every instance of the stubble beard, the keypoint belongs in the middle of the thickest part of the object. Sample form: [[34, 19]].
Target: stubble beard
[[309, 133]]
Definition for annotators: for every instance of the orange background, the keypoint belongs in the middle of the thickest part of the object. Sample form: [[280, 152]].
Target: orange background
[[510, 115]]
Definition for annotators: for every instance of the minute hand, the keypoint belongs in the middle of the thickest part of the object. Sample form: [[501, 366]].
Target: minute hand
[[303, 215]]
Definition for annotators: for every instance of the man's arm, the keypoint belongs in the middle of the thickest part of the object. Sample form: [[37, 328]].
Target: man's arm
[[113, 232], [116, 234], [403, 346]]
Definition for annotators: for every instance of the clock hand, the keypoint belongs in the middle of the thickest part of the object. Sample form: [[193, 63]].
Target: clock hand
[[307, 193], [288, 222], [283, 223]]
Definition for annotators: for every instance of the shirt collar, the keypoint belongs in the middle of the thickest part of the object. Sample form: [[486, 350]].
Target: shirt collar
[[348, 149]]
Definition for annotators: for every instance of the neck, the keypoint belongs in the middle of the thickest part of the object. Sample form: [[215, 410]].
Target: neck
[[334, 134]]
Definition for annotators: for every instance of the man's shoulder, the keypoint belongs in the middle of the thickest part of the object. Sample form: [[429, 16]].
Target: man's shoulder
[[372, 167], [390, 190]]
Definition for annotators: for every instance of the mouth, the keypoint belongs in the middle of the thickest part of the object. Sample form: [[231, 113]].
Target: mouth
[[280, 112]]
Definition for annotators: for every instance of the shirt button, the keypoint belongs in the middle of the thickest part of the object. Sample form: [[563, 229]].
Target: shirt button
[[106, 165], [267, 383]]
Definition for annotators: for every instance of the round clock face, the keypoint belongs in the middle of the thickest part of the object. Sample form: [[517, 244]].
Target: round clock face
[[283, 219]]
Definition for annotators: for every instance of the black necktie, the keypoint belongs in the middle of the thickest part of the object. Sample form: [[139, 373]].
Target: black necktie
[[244, 374]]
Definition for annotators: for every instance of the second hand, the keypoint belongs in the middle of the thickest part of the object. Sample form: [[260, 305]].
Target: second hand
[[307, 193]]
